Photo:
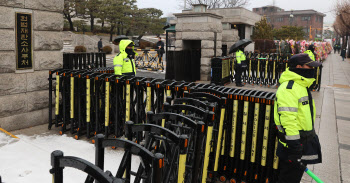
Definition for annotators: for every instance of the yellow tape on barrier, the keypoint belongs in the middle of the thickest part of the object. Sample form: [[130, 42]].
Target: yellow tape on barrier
[[168, 93], [127, 109], [57, 104], [275, 159], [182, 168], [107, 104], [266, 135], [244, 129], [88, 100], [255, 132], [223, 144], [206, 154], [72, 97], [233, 133], [148, 101], [222, 117]]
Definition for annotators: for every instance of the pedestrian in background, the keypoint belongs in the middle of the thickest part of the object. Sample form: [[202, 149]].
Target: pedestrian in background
[[295, 115], [160, 47], [343, 53], [99, 45]]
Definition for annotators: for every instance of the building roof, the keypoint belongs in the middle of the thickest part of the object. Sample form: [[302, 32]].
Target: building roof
[[300, 12], [268, 6], [295, 12]]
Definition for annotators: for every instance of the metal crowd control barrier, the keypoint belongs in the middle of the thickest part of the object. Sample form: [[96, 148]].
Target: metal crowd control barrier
[[84, 60], [263, 69], [152, 163], [166, 141], [147, 61], [59, 162], [230, 133]]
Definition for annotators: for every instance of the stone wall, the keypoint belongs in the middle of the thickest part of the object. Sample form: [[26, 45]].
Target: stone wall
[[24, 94], [229, 38], [200, 26]]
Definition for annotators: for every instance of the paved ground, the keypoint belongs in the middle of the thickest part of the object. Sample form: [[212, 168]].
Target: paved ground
[[332, 123]]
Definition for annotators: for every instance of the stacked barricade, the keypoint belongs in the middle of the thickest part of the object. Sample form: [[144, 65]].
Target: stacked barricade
[[263, 69], [183, 132], [147, 61]]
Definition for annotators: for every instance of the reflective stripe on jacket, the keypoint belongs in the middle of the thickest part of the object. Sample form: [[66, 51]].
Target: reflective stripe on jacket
[[294, 115], [240, 56], [122, 64], [311, 55]]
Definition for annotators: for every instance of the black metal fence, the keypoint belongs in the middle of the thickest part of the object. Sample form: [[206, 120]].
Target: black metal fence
[[183, 65], [83, 60]]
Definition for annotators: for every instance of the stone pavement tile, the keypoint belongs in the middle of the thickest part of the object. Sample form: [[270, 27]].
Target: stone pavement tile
[[345, 164], [318, 98], [306, 178], [37, 130], [317, 125], [345, 156], [345, 172], [328, 170], [343, 131], [344, 147]]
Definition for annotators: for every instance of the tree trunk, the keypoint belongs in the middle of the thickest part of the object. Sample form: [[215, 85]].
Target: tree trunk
[[127, 32], [122, 29], [111, 33], [69, 19], [92, 18], [118, 29]]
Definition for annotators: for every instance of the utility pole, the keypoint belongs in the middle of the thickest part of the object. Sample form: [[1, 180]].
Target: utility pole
[[310, 36]]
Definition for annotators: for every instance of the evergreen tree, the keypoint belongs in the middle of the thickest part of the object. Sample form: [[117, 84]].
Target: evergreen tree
[[289, 32], [262, 30]]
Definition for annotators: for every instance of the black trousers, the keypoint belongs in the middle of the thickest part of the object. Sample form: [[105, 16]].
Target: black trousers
[[289, 172], [238, 75], [160, 55]]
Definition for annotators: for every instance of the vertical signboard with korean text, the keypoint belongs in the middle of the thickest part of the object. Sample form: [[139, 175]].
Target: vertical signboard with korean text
[[24, 47]]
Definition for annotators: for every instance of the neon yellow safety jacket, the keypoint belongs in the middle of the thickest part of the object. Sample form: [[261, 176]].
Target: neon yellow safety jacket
[[294, 115], [311, 55], [240, 56], [123, 65]]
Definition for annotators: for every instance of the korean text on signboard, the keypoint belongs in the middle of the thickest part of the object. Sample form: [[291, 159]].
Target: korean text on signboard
[[24, 41]]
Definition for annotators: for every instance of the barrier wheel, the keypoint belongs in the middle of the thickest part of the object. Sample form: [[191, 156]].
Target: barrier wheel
[[233, 181], [76, 137], [61, 133], [222, 178], [93, 141]]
